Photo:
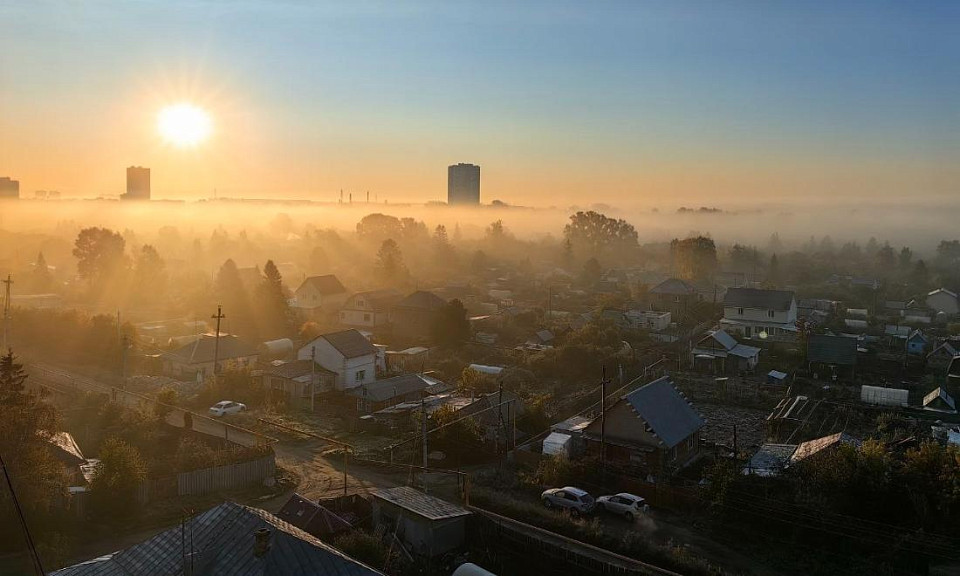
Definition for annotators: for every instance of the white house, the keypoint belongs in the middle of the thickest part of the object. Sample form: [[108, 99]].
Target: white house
[[943, 300], [320, 295], [348, 354], [369, 309], [753, 312]]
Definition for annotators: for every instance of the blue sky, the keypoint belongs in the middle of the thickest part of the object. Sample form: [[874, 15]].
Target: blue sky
[[640, 99]]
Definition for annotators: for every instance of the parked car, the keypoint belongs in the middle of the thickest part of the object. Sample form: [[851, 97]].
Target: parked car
[[575, 500], [623, 504], [227, 407]]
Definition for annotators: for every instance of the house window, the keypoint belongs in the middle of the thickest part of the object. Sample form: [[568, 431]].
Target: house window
[[771, 313], [366, 317], [740, 311], [359, 375]]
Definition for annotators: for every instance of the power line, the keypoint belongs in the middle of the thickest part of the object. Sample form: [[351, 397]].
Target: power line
[[34, 555]]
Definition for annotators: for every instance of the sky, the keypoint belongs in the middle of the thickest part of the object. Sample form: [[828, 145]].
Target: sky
[[650, 103]]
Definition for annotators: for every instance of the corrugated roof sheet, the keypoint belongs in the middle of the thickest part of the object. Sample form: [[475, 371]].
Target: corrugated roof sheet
[[668, 413], [222, 544], [350, 343], [811, 447], [67, 447], [295, 369], [415, 501], [758, 298], [201, 351], [838, 350], [311, 517], [382, 390]]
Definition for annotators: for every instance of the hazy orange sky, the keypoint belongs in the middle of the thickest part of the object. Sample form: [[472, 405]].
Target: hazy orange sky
[[560, 103]]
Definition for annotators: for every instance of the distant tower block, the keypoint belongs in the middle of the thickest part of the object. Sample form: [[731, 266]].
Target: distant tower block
[[463, 185], [138, 184]]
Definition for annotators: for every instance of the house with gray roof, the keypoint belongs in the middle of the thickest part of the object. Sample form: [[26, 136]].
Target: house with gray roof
[[673, 295], [428, 525], [347, 353], [653, 429], [320, 296], [296, 381], [227, 540], [720, 353], [369, 309], [758, 313], [377, 395], [195, 360], [416, 315]]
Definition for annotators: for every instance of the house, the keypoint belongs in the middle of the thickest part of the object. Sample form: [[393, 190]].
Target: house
[[544, 337], [377, 395], [673, 295], [831, 352], [939, 401], [489, 419], [653, 429], [226, 540], [821, 445], [290, 382], [66, 451], [651, 320], [312, 518], [369, 309], [428, 525], [320, 296], [753, 312], [721, 353], [416, 315], [943, 300], [916, 343], [941, 356], [347, 353], [407, 360], [769, 460], [194, 361]]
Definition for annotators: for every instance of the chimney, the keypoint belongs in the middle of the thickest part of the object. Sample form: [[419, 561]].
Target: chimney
[[261, 544]]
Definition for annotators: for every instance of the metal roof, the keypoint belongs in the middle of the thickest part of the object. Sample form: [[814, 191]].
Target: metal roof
[[201, 351], [811, 447], [326, 284], [67, 448], [758, 298], [388, 388], [939, 393], [770, 459], [421, 300], [350, 343], [429, 507], [295, 369], [668, 413], [379, 300], [826, 349], [220, 542], [311, 517]]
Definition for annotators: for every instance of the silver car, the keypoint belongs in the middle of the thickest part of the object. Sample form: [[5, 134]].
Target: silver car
[[630, 506], [227, 407], [575, 500]]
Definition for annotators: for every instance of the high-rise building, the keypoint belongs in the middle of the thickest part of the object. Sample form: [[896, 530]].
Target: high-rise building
[[138, 184], [9, 188], [463, 184]]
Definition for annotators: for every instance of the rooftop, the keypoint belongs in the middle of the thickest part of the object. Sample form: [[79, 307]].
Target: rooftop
[[350, 343], [326, 284], [758, 298], [668, 413], [429, 507], [201, 351]]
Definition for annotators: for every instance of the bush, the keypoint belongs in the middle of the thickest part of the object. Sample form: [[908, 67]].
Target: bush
[[113, 491]]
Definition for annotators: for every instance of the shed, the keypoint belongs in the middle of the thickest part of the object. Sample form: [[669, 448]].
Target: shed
[[939, 401], [557, 444], [429, 525], [776, 377]]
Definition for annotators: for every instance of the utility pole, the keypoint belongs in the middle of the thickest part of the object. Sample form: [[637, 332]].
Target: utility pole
[[313, 376], [216, 342], [603, 421], [123, 361], [6, 314], [423, 433], [500, 423]]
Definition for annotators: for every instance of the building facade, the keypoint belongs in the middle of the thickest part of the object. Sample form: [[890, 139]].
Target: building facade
[[9, 188], [463, 184], [138, 183]]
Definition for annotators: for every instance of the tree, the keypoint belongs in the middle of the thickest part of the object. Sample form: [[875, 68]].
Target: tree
[[229, 290], [379, 227], [451, 327], [319, 261], [479, 261], [694, 258], [591, 271], [886, 258], [389, 268], [149, 272], [773, 272], [99, 253], [597, 235], [166, 400], [905, 258], [920, 276], [948, 253], [441, 245], [26, 425], [41, 280], [113, 491], [274, 311]]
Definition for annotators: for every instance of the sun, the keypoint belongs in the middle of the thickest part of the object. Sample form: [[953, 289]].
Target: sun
[[184, 125]]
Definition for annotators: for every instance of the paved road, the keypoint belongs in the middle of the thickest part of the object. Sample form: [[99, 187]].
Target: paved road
[[59, 378]]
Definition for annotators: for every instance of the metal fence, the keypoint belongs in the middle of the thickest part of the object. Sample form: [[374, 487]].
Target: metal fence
[[230, 477]]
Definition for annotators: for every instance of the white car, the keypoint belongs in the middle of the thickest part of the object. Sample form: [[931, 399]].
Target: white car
[[575, 500], [623, 504], [227, 407]]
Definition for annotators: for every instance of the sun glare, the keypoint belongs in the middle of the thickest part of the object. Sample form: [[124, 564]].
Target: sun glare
[[184, 125]]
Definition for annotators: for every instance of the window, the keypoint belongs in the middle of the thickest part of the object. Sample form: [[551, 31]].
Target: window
[[359, 375], [740, 311], [366, 317], [771, 313]]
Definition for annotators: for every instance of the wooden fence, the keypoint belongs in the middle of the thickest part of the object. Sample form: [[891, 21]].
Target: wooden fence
[[230, 477]]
